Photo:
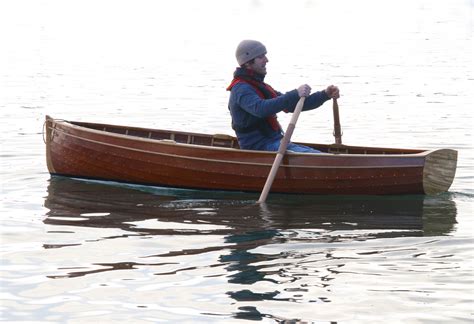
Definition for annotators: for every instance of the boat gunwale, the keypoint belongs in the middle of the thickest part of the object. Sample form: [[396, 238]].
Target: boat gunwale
[[422, 153]]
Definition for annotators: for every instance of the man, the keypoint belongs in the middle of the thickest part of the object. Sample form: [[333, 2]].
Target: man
[[253, 104]]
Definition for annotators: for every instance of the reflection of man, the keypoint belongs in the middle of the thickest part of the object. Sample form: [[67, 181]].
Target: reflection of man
[[254, 104], [244, 271]]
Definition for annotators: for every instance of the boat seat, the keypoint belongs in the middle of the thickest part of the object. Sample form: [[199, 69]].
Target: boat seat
[[169, 141], [224, 140]]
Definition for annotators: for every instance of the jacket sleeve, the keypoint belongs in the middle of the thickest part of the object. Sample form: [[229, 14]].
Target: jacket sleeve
[[314, 101], [250, 101]]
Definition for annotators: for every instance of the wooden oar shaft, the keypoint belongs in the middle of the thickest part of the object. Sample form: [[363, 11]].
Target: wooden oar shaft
[[281, 151], [337, 123]]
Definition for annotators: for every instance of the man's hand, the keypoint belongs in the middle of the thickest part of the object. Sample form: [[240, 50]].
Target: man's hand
[[304, 90], [332, 92]]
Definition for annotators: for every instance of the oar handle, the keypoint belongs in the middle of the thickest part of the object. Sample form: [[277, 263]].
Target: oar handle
[[337, 123], [281, 151]]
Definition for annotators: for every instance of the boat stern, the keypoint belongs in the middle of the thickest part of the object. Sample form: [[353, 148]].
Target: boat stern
[[48, 137], [439, 171]]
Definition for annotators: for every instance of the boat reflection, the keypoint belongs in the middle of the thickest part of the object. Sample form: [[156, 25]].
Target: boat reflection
[[91, 204], [244, 227]]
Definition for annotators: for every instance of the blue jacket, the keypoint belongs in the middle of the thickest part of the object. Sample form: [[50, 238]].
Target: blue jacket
[[248, 108]]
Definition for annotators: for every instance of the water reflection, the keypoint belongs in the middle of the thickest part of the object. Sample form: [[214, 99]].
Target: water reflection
[[90, 204], [284, 228]]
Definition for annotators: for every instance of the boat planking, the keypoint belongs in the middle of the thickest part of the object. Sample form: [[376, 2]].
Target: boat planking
[[215, 162]]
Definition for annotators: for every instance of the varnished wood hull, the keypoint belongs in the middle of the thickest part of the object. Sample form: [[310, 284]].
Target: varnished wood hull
[[214, 162]]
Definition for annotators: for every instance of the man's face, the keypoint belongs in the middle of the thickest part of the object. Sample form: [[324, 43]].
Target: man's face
[[259, 65]]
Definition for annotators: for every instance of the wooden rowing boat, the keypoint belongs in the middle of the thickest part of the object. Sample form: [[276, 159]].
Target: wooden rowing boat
[[215, 162]]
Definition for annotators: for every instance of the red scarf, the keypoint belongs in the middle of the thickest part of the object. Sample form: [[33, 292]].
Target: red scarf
[[263, 90]]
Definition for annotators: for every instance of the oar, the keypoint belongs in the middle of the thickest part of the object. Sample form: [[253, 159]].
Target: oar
[[281, 151], [337, 123]]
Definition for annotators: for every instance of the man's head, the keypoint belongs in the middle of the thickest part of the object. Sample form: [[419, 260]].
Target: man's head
[[251, 54]]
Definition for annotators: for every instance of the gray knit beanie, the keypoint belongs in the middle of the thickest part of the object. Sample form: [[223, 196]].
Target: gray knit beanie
[[248, 50]]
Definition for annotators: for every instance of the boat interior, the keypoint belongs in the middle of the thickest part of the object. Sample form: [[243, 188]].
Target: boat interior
[[227, 141]]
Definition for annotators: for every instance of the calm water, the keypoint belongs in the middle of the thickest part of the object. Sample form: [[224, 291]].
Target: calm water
[[78, 252]]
